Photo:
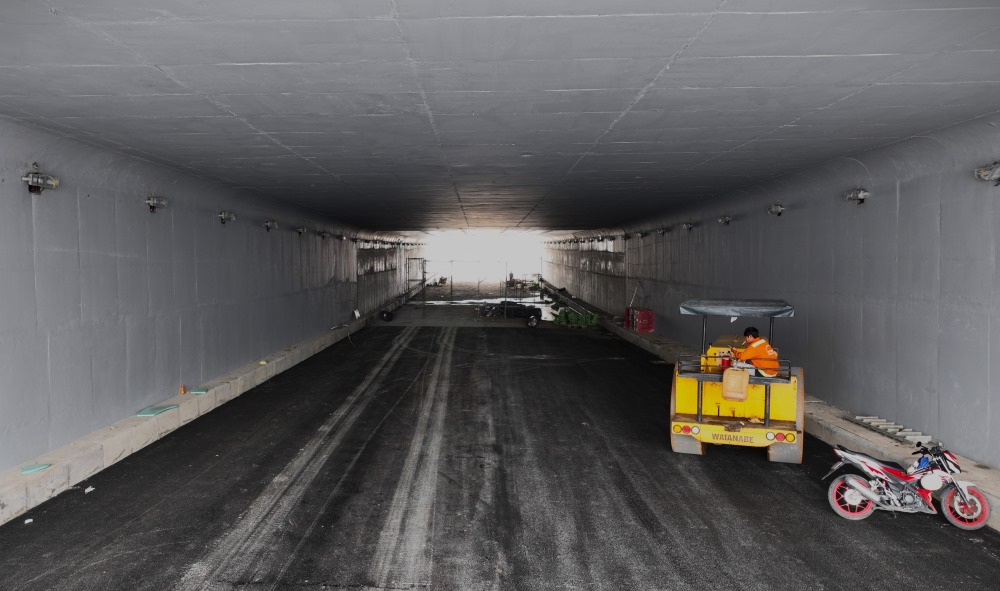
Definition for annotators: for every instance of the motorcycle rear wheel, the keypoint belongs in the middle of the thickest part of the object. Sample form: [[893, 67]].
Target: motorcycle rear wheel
[[847, 502], [973, 515]]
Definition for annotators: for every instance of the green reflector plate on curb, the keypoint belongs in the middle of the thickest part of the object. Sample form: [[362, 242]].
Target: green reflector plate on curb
[[199, 391], [34, 468], [152, 411]]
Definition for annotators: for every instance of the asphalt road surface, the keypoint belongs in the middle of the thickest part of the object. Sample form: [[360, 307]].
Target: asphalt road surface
[[467, 459]]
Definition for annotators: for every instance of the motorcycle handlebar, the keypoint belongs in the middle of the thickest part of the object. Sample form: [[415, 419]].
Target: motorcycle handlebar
[[922, 449]]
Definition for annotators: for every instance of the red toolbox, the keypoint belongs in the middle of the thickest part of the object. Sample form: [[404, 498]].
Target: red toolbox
[[639, 319]]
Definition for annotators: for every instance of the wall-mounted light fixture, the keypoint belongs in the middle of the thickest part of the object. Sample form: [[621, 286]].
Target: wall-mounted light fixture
[[341, 237], [301, 230], [776, 209], [725, 219], [227, 216], [640, 234], [324, 235], [687, 226], [858, 195], [990, 172], [155, 203], [38, 181], [661, 231], [270, 225]]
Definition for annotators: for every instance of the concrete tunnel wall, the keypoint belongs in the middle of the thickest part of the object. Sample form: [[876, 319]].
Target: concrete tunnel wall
[[897, 300], [106, 308]]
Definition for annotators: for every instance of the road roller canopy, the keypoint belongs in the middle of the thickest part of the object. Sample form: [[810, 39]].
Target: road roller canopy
[[739, 308]]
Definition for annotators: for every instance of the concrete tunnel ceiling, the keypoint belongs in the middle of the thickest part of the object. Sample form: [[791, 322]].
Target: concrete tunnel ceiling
[[411, 115]]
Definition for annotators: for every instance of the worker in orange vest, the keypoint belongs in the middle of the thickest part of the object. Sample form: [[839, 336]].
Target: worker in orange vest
[[759, 353]]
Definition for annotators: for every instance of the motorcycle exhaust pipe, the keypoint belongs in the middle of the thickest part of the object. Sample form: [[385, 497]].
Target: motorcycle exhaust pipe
[[864, 490]]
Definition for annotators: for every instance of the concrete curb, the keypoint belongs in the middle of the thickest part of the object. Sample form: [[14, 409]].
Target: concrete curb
[[827, 423]]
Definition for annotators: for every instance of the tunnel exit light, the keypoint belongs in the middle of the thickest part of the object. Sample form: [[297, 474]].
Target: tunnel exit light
[[483, 254]]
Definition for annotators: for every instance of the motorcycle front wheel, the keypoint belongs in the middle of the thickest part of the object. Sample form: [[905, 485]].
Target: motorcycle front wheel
[[971, 515], [848, 502]]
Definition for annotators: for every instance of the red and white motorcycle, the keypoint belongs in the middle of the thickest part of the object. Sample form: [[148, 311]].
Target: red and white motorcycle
[[891, 487]]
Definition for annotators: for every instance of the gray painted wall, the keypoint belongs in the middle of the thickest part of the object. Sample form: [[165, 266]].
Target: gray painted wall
[[595, 272], [381, 270], [898, 299], [106, 308]]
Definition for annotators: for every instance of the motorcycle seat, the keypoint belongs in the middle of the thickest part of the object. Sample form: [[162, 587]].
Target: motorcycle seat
[[875, 460], [885, 463]]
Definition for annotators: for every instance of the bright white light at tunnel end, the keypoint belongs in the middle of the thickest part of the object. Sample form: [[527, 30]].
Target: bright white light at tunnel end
[[483, 253]]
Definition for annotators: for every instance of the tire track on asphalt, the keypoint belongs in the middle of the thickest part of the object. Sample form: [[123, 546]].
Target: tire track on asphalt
[[404, 556], [244, 548]]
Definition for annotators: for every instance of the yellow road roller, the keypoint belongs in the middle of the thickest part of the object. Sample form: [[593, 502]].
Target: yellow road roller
[[717, 398]]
